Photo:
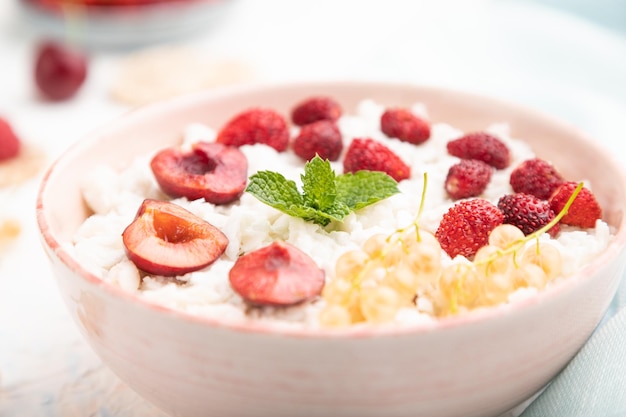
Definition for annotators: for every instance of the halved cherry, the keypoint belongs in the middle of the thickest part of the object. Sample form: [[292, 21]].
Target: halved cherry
[[166, 239], [218, 173], [276, 275]]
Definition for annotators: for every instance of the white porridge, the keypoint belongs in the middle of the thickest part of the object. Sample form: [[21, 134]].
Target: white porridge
[[250, 224]]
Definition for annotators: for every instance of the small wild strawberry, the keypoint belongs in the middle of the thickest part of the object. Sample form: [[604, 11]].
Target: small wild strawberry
[[316, 108], [467, 178], [536, 177], [368, 154], [404, 125], [583, 212], [527, 212], [466, 226], [322, 138], [256, 125], [481, 146]]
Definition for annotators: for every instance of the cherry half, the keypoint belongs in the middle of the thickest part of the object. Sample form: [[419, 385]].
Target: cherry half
[[218, 173], [166, 239], [60, 70], [278, 274]]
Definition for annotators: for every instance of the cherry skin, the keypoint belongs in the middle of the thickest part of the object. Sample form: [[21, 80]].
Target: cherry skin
[[278, 274], [60, 70], [218, 173], [166, 239]]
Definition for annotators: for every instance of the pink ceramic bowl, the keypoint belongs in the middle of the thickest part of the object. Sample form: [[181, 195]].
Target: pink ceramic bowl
[[477, 365]]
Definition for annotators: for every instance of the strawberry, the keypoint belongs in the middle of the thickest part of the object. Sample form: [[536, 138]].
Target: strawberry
[[9, 143], [256, 125], [583, 212], [527, 212], [316, 108], [467, 178], [481, 146], [404, 125], [366, 153], [536, 177], [466, 226], [322, 138]]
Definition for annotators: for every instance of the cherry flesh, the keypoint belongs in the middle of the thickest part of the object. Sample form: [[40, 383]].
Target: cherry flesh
[[218, 173], [166, 239]]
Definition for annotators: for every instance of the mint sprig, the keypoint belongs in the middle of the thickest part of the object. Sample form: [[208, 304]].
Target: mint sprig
[[325, 196]]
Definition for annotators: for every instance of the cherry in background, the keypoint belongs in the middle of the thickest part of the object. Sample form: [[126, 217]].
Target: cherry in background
[[60, 70]]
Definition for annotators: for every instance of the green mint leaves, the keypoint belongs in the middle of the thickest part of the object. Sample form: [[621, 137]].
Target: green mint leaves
[[325, 196]]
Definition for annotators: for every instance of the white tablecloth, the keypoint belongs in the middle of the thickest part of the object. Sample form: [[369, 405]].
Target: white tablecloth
[[520, 51]]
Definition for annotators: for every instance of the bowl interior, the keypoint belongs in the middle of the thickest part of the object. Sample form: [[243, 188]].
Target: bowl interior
[[61, 208]]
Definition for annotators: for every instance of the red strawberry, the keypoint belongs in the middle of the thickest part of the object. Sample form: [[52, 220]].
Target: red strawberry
[[466, 226], [314, 109], [481, 146], [536, 177], [9, 143], [527, 212], [322, 138], [256, 125], [366, 153], [404, 125], [467, 178], [583, 212]]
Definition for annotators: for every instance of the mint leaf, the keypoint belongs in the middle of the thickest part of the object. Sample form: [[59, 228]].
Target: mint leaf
[[364, 188], [336, 212], [318, 184], [326, 197], [275, 190]]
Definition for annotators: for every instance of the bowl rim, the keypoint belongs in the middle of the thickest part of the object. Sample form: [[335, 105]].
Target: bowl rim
[[615, 248]]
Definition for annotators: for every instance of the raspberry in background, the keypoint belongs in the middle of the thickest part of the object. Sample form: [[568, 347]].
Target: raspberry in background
[[10, 144]]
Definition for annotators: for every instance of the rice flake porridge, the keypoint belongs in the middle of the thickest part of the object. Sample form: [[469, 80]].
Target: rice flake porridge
[[250, 224]]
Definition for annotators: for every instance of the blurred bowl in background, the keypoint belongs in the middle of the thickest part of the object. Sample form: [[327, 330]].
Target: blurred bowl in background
[[121, 23]]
